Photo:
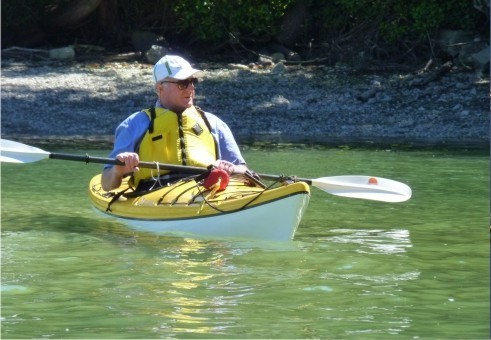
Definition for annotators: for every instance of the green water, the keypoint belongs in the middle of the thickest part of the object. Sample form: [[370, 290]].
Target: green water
[[356, 268]]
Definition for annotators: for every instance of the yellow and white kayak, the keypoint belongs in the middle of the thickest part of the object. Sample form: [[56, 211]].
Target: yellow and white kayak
[[185, 208]]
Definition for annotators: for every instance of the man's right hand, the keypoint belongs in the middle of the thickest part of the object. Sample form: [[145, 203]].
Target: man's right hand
[[130, 160], [112, 177]]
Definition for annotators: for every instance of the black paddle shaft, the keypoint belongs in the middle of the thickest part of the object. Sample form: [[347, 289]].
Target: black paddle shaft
[[162, 166], [150, 165]]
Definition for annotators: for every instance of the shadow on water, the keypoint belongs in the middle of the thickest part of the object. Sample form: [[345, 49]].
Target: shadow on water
[[58, 223], [112, 231]]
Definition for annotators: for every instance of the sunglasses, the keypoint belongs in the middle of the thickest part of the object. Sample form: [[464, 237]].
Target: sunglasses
[[183, 84]]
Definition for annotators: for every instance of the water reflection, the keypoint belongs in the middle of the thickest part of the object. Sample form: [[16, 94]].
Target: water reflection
[[198, 291], [374, 241]]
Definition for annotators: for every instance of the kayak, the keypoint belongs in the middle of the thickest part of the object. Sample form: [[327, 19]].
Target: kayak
[[244, 209]]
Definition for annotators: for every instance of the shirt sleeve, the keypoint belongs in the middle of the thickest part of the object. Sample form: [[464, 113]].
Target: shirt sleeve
[[227, 146], [128, 134]]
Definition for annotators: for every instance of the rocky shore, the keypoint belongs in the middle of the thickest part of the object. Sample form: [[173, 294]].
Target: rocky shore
[[277, 104]]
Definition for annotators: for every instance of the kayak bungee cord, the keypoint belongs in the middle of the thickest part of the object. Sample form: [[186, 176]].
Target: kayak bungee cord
[[115, 197], [202, 194], [134, 192], [156, 179]]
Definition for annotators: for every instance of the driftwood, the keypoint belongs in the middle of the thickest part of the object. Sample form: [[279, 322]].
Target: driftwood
[[107, 58], [431, 76], [315, 61], [25, 53], [91, 53]]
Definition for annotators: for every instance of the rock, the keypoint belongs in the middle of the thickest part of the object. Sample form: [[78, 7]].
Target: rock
[[278, 68], [150, 44], [468, 50], [293, 56], [280, 101], [451, 41], [264, 62], [481, 61], [143, 40], [67, 52], [277, 57], [155, 53], [366, 95]]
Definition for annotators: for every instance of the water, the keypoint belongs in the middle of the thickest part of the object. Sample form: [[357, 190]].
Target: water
[[356, 268]]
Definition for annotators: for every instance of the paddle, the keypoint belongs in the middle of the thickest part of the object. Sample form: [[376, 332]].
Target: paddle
[[14, 152], [363, 187]]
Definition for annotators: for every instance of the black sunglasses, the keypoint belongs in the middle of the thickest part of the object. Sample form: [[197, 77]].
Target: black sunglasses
[[183, 84]]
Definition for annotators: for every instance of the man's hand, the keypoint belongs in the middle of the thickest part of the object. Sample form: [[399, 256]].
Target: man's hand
[[130, 160], [112, 177], [229, 167]]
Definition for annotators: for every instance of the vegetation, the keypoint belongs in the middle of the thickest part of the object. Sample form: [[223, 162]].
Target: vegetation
[[342, 29]]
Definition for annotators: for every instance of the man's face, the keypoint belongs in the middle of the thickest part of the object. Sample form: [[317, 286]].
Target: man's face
[[177, 95]]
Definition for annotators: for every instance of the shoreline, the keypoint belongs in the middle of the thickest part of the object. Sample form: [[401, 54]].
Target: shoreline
[[106, 142], [312, 105]]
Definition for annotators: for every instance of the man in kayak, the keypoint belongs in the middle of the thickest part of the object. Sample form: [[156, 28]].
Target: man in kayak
[[174, 131]]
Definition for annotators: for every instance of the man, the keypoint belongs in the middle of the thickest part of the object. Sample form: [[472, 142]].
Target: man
[[174, 131]]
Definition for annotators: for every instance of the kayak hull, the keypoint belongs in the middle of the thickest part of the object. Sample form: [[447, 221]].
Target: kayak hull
[[188, 210]]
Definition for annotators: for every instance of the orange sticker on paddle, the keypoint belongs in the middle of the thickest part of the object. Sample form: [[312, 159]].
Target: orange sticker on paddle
[[372, 180]]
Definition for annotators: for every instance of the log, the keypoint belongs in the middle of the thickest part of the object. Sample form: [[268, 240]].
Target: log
[[432, 76]]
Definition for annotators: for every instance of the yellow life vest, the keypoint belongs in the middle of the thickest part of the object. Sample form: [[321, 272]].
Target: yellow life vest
[[171, 138]]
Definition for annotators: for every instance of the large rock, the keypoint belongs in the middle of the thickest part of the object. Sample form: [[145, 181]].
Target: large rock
[[143, 40], [452, 41], [150, 44], [466, 49], [481, 61]]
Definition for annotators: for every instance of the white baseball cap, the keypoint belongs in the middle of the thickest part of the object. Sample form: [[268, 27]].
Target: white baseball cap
[[173, 66]]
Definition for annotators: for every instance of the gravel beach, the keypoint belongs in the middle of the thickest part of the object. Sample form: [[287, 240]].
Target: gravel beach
[[280, 104]]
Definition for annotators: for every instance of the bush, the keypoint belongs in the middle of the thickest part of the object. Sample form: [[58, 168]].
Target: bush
[[377, 28], [398, 19], [214, 20]]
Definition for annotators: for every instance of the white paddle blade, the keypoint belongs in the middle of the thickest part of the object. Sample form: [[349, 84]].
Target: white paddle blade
[[14, 152], [364, 187]]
